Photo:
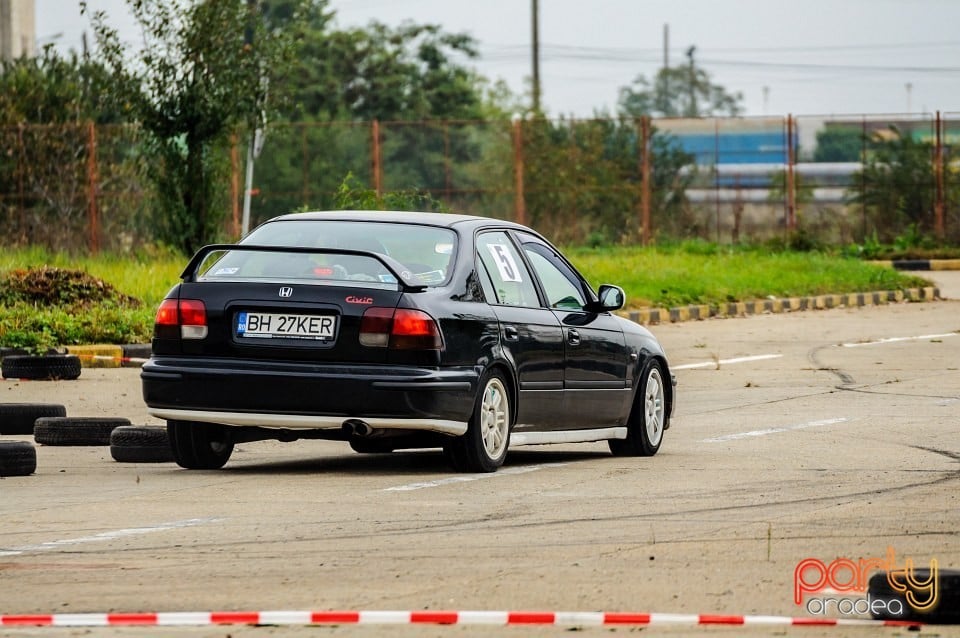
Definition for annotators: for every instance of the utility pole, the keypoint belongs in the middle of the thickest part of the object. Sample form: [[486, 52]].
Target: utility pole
[[666, 63], [256, 140], [535, 26], [693, 81]]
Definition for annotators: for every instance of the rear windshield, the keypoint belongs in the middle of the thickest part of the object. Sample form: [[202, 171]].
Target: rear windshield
[[425, 252]]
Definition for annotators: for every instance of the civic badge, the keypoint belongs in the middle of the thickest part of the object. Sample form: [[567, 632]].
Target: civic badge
[[286, 291]]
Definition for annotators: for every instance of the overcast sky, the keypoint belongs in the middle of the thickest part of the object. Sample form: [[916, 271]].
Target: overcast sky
[[806, 57]]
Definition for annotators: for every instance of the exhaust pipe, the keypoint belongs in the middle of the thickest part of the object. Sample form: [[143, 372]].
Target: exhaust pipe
[[356, 427]]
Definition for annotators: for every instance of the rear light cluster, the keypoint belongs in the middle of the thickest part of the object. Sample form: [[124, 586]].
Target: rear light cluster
[[189, 314], [399, 329]]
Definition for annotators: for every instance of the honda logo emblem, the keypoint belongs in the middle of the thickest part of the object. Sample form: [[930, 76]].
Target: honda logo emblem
[[286, 291]]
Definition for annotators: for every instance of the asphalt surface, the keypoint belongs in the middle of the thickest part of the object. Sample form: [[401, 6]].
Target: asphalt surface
[[819, 434]]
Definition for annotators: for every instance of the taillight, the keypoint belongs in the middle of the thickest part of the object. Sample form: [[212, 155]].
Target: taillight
[[189, 314], [375, 325], [167, 314], [400, 329]]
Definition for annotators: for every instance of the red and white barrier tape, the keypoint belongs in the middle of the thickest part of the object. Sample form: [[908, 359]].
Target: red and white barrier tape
[[560, 618], [107, 357]]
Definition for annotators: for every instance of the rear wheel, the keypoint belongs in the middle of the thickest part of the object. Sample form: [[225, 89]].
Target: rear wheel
[[484, 446], [648, 418], [199, 446]]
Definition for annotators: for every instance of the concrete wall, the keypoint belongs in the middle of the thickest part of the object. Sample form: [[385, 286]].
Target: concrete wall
[[18, 34]]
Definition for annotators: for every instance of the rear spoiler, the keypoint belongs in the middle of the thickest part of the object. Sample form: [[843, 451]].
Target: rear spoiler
[[398, 270]]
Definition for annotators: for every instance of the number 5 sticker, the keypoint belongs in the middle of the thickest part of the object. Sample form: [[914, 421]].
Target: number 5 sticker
[[505, 263]]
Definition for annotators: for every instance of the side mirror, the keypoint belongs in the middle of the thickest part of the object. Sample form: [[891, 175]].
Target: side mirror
[[611, 298]]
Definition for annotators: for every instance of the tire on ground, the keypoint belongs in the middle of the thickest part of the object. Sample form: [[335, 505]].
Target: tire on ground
[[76, 430], [140, 444], [19, 418], [484, 446], [17, 458], [199, 446], [649, 416], [896, 605], [41, 367]]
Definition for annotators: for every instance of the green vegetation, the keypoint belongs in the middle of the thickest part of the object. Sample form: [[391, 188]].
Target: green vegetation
[[112, 299], [53, 299], [701, 273]]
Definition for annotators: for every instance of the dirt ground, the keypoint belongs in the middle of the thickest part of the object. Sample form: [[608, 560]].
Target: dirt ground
[[827, 434]]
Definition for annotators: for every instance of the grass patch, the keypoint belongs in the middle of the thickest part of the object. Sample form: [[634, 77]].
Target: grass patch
[[79, 313], [702, 274], [689, 273]]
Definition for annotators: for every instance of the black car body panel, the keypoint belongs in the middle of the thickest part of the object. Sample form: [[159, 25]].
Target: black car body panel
[[287, 340]]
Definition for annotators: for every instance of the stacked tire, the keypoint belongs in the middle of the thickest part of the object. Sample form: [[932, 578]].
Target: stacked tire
[[17, 458], [47, 367], [76, 430], [19, 418], [140, 444]]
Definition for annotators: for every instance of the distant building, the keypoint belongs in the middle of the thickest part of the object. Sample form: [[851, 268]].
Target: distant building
[[18, 34]]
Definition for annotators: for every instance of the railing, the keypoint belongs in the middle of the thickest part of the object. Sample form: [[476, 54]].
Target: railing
[[81, 187]]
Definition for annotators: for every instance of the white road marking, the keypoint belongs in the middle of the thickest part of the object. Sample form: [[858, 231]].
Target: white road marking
[[106, 536], [895, 340], [409, 487], [707, 364], [787, 428]]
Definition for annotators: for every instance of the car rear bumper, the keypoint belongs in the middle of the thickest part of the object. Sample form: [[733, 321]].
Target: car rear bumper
[[298, 395]]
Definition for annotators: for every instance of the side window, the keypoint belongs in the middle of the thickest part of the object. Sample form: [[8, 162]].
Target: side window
[[563, 288], [512, 285]]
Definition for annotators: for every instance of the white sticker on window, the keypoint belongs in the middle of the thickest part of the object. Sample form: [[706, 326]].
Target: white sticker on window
[[505, 263]]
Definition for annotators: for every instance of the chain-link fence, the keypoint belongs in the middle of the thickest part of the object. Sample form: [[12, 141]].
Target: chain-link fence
[[824, 179]]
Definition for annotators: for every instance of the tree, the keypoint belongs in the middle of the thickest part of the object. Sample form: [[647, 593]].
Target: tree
[[205, 70], [401, 76], [839, 144], [680, 91], [50, 89], [46, 105], [896, 184], [378, 72]]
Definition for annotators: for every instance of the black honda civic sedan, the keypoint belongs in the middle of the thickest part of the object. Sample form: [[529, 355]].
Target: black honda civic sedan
[[394, 330]]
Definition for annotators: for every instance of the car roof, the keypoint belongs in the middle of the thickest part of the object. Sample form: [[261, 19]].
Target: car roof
[[448, 220]]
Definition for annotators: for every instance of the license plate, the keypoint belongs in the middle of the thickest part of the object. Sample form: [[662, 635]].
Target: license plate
[[266, 325]]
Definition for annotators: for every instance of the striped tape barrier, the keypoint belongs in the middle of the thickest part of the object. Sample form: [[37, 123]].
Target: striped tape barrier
[[527, 618]]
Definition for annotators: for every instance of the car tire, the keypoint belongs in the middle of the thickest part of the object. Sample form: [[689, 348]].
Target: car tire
[[19, 418], [140, 444], [649, 416], [75, 430], [364, 446], [945, 611], [41, 367], [17, 458], [199, 446], [483, 448]]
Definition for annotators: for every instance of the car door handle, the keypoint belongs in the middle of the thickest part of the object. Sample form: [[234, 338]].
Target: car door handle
[[573, 337], [510, 333]]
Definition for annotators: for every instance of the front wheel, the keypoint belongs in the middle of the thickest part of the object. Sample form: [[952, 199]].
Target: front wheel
[[199, 446], [648, 417], [484, 446]]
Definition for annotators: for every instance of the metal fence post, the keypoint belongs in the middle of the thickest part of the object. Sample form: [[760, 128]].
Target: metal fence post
[[21, 167], [234, 186], [791, 182], [645, 147], [377, 166], [92, 216], [519, 200], [939, 204]]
